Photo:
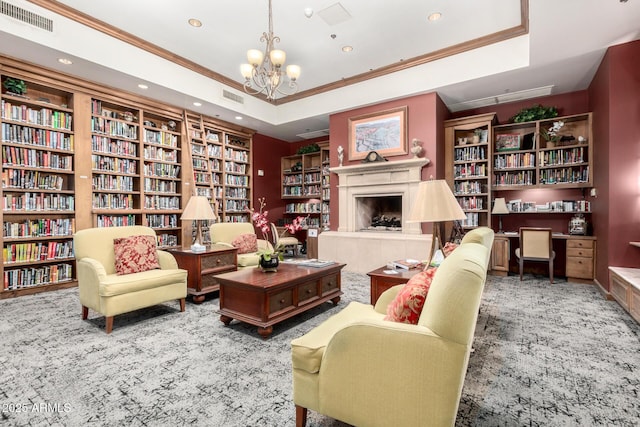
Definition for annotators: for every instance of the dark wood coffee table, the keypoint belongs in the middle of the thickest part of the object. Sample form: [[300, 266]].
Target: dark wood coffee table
[[264, 299]]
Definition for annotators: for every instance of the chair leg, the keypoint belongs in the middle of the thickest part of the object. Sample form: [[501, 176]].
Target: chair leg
[[551, 270], [85, 312], [301, 416], [182, 304], [521, 264], [108, 324]]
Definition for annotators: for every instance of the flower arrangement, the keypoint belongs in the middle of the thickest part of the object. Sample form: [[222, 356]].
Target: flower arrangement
[[261, 222], [552, 133]]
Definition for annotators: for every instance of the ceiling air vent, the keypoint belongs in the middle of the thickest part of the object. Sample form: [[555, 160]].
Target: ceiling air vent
[[314, 134], [232, 96], [26, 16]]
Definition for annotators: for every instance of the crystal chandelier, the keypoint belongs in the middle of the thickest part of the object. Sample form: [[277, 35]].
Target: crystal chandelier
[[264, 71]]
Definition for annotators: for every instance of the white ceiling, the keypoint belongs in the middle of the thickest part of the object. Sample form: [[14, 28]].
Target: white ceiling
[[565, 44]]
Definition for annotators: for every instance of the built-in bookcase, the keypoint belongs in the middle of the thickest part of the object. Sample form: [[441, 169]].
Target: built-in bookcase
[[38, 188], [221, 164], [136, 167]]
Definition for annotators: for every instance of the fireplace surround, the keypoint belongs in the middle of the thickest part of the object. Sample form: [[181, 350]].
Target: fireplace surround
[[364, 251]]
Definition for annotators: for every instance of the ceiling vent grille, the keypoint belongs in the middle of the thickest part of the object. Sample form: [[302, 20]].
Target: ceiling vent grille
[[26, 16], [314, 134], [232, 96]]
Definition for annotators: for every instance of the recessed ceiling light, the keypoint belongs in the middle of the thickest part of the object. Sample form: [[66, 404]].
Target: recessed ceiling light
[[195, 22], [238, 117], [65, 61], [347, 48], [197, 104], [434, 16], [143, 86]]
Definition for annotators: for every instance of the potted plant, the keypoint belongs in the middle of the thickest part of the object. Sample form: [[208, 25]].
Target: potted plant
[[551, 134], [537, 112], [15, 86], [270, 257]]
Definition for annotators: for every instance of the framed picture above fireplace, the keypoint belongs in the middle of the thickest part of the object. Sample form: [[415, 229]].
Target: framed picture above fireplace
[[384, 132]]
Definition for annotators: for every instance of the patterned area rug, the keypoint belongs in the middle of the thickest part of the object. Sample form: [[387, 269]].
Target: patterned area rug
[[544, 355]]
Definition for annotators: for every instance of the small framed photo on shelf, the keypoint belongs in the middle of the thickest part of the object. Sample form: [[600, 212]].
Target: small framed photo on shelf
[[507, 141]]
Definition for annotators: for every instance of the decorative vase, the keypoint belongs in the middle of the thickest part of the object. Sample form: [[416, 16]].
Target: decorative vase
[[269, 265]]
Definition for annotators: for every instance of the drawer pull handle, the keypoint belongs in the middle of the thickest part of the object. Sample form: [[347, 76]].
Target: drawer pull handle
[[308, 291], [218, 261], [282, 301]]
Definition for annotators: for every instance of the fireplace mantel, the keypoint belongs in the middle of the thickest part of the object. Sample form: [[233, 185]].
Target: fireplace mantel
[[400, 177], [381, 166]]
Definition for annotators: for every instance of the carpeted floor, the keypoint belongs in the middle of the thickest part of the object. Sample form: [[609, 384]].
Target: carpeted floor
[[549, 355]]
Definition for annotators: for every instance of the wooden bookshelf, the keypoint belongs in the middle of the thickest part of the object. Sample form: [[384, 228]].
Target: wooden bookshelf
[[38, 189]]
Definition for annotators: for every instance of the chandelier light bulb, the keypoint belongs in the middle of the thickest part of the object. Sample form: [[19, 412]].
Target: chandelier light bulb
[[278, 57], [254, 56], [293, 71], [245, 70]]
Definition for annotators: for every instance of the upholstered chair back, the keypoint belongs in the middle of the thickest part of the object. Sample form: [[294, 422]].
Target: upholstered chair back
[[97, 243], [536, 242], [451, 307]]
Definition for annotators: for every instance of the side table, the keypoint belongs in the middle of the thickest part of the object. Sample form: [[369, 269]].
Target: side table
[[202, 268], [381, 281]]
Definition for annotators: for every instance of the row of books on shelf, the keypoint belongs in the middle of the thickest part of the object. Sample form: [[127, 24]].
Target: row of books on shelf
[[303, 207], [42, 227], [113, 164], [37, 202], [37, 251], [470, 153], [112, 128], [17, 156], [162, 202], [106, 145], [41, 117], [471, 203], [166, 240], [31, 179], [160, 137], [28, 277], [18, 134], [470, 170], [518, 205], [514, 160], [159, 153]]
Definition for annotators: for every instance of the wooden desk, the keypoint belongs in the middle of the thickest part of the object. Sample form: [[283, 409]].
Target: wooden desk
[[580, 255]]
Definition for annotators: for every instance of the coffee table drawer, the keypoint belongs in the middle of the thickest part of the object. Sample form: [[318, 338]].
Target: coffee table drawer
[[282, 301], [330, 283], [307, 292]]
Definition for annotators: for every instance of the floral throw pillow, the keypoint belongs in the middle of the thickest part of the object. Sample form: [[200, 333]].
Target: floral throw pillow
[[135, 254], [407, 305], [246, 243], [448, 248]]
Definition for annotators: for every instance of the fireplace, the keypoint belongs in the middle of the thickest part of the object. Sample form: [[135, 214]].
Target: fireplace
[[371, 190], [379, 213]]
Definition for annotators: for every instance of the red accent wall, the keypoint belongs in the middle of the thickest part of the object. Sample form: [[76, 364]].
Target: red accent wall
[[615, 101], [425, 117], [267, 152]]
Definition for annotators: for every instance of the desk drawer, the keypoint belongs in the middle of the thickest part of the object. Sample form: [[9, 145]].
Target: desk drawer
[[579, 243], [579, 252], [579, 267], [217, 260]]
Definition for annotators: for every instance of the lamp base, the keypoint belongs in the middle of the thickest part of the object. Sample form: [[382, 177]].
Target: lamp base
[[198, 248]]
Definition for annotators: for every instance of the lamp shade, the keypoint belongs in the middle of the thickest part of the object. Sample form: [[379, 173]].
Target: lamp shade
[[198, 208], [500, 206], [434, 203]]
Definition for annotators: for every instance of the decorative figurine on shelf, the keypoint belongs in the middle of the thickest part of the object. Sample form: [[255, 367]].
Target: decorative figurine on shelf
[[416, 147], [172, 125], [340, 155]]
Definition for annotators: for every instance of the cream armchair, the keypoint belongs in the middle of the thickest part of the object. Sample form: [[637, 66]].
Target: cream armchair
[[224, 233], [366, 371], [110, 294]]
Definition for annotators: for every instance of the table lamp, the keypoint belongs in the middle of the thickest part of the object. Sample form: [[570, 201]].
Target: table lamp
[[500, 208], [198, 209], [435, 203]]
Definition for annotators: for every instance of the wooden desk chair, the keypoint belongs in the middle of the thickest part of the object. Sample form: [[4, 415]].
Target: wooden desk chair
[[536, 244], [289, 243]]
